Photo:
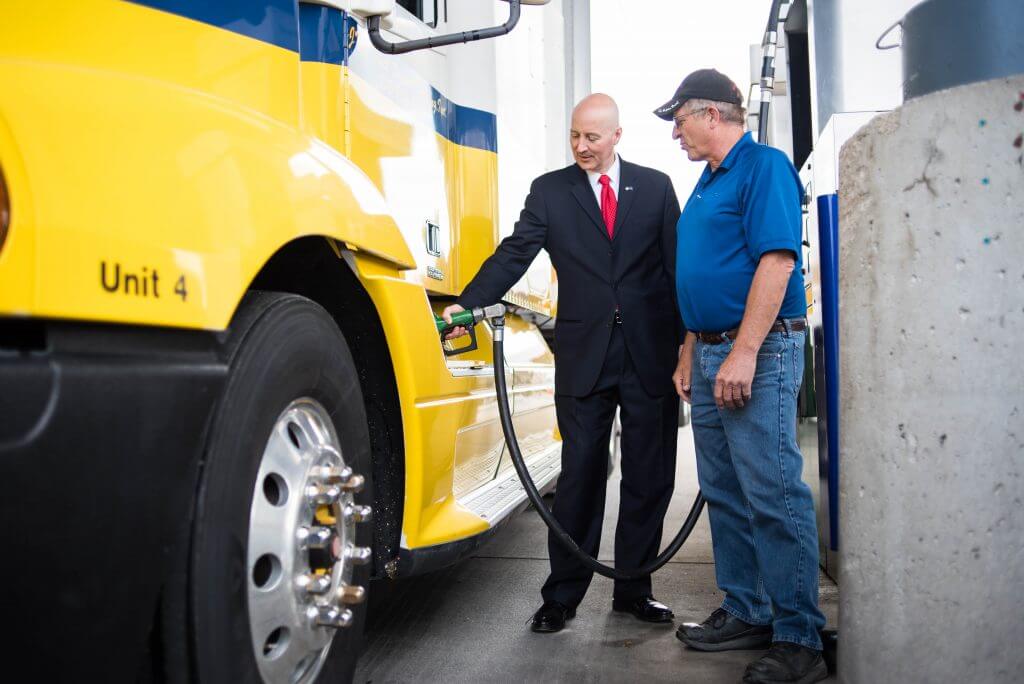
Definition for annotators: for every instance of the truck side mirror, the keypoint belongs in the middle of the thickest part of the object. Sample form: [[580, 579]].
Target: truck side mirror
[[374, 25]]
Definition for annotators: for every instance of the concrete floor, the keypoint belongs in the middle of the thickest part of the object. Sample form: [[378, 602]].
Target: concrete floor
[[468, 623]]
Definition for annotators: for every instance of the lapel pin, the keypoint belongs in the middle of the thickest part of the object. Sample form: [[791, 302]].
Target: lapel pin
[[628, 188]]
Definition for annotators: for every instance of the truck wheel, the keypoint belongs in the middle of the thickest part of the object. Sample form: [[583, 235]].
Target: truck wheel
[[280, 560]]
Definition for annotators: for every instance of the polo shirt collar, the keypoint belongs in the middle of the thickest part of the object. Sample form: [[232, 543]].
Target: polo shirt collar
[[736, 150]]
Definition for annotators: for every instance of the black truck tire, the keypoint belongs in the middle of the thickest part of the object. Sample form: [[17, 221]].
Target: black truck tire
[[285, 351]]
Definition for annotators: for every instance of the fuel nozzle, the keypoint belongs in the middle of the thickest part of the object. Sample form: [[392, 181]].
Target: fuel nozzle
[[470, 317], [468, 320]]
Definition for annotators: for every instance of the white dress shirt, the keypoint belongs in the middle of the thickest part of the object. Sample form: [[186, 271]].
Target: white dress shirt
[[612, 173]]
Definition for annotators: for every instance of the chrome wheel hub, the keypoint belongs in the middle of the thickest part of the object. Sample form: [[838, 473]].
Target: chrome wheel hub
[[301, 550]]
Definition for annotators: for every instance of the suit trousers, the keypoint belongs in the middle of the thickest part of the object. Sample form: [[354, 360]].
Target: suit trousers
[[648, 463]]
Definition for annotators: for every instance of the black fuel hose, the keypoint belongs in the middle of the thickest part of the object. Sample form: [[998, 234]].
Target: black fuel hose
[[504, 413]]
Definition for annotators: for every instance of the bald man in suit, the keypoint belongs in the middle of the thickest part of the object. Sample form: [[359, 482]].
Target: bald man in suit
[[609, 228]]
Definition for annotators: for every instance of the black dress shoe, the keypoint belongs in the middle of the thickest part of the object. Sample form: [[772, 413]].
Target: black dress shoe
[[644, 608], [551, 617], [723, 631], [787, 662]]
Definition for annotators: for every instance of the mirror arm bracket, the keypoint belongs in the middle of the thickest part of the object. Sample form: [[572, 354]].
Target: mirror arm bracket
[[373, 26]]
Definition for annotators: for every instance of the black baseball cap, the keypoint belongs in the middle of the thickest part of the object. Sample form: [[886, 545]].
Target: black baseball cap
[[703, 84]]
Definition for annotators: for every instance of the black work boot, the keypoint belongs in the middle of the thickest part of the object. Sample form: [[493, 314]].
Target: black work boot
[[787, 662], [723, 631]]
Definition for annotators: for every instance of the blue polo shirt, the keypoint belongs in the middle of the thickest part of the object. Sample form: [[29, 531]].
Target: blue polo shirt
[[748, 206]]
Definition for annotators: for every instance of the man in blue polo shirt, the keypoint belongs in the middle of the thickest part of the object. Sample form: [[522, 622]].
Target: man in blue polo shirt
[[741, 294]]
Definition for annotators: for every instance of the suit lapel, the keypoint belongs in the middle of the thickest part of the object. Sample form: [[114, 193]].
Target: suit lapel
[[627, 190], [584, 194]]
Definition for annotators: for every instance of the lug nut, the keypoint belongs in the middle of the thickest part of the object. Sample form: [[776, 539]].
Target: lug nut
[[341, 475], [332, 473], [359, 555], [329, 616], [315, 537], [353, 484], [351, 594], [323, 494], [313, 583], [358, 513]]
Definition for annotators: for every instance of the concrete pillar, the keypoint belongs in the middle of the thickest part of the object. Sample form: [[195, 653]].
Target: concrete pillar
[[932, 390]]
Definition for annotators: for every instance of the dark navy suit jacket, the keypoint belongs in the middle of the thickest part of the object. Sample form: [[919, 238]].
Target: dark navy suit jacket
[[634, 272]]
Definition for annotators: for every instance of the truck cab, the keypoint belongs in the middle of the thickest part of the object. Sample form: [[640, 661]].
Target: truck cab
[[226, 230]]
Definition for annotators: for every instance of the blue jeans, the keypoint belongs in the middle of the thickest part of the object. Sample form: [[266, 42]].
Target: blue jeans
[[762, 516]]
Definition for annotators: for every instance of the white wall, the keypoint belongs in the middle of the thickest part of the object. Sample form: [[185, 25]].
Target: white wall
[[642, 49]]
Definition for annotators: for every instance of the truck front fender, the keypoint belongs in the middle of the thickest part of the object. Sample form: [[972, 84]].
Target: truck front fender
[[138, 200]]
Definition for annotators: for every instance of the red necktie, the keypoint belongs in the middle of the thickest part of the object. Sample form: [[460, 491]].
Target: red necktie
[[608, 204]]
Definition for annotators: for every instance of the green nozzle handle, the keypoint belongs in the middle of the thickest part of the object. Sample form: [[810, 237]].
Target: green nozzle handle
[[470, 317], [463, 318]]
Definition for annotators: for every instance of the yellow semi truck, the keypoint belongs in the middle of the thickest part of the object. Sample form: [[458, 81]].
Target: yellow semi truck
[[224, 231]]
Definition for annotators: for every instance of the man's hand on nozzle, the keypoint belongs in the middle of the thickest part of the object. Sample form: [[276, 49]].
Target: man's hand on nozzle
[[457, 331]]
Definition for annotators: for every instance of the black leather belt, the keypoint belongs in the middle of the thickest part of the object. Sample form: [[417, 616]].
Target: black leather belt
[[717, 338]]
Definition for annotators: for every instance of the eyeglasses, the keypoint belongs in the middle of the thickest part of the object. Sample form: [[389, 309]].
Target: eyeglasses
[[682, 119]]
